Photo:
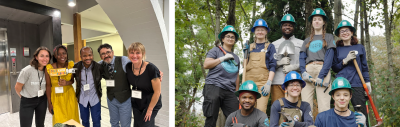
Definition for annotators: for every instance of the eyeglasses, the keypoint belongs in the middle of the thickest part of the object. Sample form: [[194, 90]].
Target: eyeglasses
[[230, 37], [344, 31], [107, 53]]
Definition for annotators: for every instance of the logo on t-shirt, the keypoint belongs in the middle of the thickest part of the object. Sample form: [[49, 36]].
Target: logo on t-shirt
[[315, 46], [334, 42], [296, 118], [266, 122]]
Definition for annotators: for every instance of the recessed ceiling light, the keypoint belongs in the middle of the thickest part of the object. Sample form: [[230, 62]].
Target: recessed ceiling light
[[71, 3]]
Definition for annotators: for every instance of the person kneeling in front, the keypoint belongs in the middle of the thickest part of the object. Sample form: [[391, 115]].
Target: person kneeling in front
[[340, 115], [248, 116]]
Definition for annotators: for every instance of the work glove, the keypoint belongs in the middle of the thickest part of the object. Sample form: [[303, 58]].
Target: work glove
[[238, 125], [266, 88], [283, 61], [319, 82], [360, 118], [287, 124], [306, 77], [350, 56], [369, 88], [226, 57], [288, 68], [278, 57], [246, 47]]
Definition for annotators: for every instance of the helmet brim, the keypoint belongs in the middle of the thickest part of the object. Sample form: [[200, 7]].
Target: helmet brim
[[284, 85], [237, 93]]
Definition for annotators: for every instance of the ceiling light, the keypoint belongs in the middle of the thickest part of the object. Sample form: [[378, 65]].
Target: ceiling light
[[56, 13], [71, 3]]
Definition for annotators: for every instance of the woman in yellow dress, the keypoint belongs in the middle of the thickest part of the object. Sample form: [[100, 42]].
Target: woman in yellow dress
[[62, 102]]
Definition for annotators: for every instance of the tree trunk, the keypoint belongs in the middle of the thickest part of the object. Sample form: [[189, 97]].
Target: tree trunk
[[369, 54], [308, 12], [356, 16], [389, 47], [212, 20], [253, 20], [217, 18], [231, 13], [337, 7], [362, 21]]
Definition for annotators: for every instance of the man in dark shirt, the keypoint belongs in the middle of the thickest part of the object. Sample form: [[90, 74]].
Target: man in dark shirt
[[247, 116]]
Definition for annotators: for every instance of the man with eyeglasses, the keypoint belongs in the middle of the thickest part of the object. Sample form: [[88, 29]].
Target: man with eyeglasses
[[118, 88]]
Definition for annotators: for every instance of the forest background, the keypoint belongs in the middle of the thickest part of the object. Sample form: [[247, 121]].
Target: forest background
[[198, 22]]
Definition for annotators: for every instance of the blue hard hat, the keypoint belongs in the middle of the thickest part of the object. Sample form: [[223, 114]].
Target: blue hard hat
[[260, 22], [293, 76]]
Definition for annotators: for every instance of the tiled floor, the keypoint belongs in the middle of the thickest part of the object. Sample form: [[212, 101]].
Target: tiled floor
[[12, 120]]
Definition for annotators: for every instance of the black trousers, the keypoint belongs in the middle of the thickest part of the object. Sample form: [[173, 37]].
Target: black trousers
[[214, 98], [28, 107], [138, 116], [359, 98]]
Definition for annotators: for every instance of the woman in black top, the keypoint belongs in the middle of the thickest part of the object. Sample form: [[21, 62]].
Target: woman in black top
[[146, 86]]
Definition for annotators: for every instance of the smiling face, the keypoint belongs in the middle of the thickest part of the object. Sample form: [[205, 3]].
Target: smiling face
[[260, 32], [345, 33], [342, 98], [61, 55], [229, 39], [318, 22], [43, 58], [287, 29], [106, 55], [247, 101], [87, 56], [136, 56], [294, 88]]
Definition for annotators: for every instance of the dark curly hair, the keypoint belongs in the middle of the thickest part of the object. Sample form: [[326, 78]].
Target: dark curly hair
[[55, 51]]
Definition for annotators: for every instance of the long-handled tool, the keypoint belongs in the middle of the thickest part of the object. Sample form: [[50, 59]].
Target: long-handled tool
[[225, 54], [357, 108], [246, 52], [378, 119]]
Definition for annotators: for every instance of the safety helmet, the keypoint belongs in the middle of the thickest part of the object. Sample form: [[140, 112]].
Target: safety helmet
[[260, 22], [229, 28], [340, 83], [293, 76], [287, 18], [344, 23], [318, 11], [248, 85]]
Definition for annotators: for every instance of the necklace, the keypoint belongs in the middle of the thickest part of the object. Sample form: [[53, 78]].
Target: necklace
[[341, 111], [259, 46]]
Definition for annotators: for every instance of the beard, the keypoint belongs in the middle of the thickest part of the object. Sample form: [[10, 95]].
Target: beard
[[251, 107], [287, 35]]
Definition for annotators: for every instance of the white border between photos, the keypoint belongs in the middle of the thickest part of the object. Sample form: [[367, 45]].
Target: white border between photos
[[171, 39]]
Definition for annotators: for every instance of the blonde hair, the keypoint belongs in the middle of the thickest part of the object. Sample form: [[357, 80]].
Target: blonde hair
[[137, 46]]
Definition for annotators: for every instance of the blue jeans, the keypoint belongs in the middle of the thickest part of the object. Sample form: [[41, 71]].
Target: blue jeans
[[94, 110], [120, 113]]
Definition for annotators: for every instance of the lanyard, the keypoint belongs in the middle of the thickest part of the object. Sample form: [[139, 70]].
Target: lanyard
[[40, 80], [133, 72], [86, 69]]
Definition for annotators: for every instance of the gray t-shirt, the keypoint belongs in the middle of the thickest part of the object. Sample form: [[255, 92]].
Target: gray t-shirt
[[316, 51], [218, 76], [256, 119], [29, 77]]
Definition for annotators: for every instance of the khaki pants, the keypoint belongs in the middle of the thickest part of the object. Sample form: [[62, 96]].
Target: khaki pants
[[262, 102], [307, 93], [276, 92]]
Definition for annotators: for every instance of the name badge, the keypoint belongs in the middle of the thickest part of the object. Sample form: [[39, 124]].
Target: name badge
[[86, 87], [110, 83], [40, 93], [59, 89], [137, 94]]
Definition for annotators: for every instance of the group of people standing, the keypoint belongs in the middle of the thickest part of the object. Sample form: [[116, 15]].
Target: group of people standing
[[290, 71], [40, 91]]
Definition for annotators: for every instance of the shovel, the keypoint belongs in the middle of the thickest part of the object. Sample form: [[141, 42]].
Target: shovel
[[286, 48], [378, 119]]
